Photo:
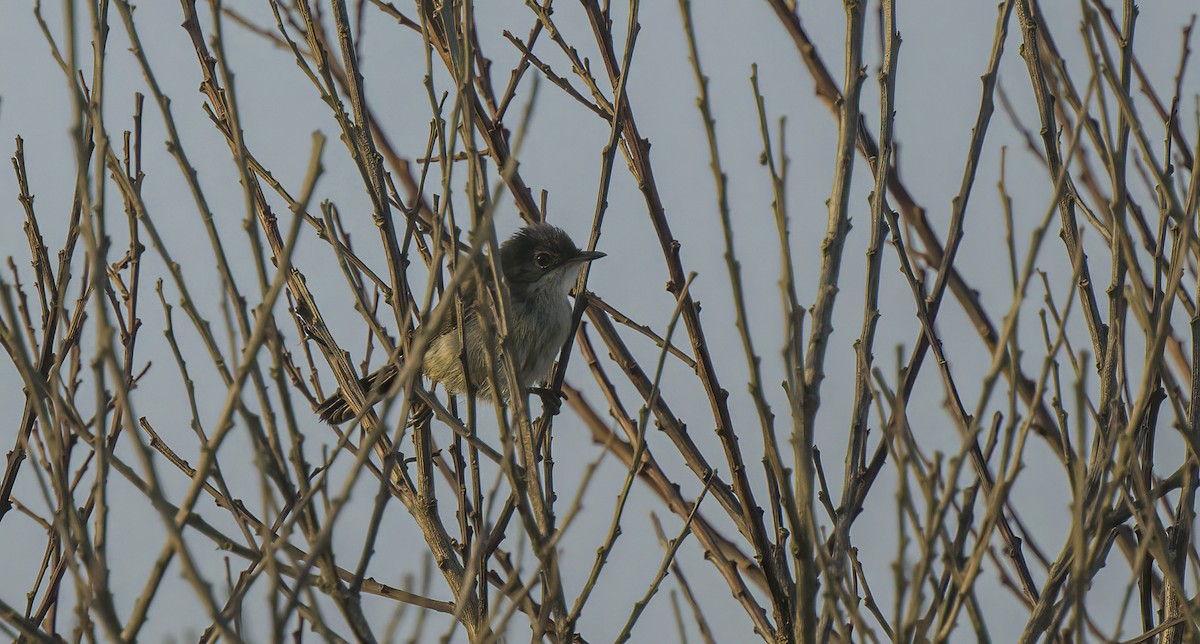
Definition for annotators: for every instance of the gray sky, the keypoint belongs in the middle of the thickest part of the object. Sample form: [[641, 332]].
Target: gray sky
[[945, 49]]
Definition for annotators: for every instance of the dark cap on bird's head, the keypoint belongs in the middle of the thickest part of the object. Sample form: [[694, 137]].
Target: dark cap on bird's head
[[538, 250]]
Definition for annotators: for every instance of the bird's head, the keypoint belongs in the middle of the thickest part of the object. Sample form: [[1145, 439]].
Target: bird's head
[[541, 256]]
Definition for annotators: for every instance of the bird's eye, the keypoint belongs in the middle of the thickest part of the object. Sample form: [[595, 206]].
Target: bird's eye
[[543, 259]]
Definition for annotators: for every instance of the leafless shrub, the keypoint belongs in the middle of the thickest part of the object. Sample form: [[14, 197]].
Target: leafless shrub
[[278, 526]]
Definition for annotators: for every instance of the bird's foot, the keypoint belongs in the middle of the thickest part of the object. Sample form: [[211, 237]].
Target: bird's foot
[[420, 414], [551, 399]]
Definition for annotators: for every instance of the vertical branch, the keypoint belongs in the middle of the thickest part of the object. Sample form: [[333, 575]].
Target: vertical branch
[[1031, 52], [637, 151], [856, 451], [837, 225], [777, 476]]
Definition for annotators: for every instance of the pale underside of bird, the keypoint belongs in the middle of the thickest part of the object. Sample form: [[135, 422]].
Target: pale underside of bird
[[540, 263]]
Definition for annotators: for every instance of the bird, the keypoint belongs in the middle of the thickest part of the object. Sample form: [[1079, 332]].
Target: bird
[[540, 264]]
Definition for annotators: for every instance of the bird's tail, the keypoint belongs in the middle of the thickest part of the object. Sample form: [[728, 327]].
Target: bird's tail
[[336, 409]]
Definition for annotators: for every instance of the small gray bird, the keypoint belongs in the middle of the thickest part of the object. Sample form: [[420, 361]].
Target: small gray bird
[[540, 264]]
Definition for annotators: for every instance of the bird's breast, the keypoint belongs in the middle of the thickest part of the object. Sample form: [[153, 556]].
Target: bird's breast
[[539, 331]]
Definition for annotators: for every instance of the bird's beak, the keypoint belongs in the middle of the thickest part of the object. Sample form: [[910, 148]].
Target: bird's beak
[[588, 255]]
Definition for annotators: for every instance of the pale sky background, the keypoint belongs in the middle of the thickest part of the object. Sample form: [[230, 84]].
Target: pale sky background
[[945, 48]]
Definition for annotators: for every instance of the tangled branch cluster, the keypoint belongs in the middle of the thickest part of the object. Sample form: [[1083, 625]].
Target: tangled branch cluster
[[1111, 402]]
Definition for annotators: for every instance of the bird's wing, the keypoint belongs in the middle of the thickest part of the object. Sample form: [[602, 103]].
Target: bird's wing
[[471, 295], [336, 409]]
